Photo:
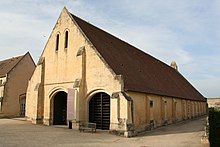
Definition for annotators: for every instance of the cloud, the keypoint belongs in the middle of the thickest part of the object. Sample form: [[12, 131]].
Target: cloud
[[25, 26], [186, 31]]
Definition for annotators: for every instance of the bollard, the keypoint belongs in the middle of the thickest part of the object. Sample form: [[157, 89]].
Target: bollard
[[70, 124]]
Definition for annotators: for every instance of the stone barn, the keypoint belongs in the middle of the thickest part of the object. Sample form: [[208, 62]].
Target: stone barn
[[14, 76], [88, 75]]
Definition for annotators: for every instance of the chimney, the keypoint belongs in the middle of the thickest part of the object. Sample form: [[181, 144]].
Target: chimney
[[174, 65]]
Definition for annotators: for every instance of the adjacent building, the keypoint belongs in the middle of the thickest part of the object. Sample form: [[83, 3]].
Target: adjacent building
[[213, 102], [88, 75], [14, 76]]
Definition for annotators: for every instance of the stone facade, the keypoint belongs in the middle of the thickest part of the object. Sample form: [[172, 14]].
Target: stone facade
[[70, 62], [64, 69], [164, 110], [13, 85]]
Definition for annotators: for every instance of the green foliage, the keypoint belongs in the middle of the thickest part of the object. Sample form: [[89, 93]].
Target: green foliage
[[214, 127]]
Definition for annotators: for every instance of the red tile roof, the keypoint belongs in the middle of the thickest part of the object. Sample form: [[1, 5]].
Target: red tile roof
[[7, 65], [141, 72]]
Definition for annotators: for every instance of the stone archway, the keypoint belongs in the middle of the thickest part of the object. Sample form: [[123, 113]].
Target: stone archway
[[60, 108], [99, 110]]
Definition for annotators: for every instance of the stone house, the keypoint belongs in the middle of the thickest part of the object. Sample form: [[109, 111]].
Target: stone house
[[87, 75], [14, 76]]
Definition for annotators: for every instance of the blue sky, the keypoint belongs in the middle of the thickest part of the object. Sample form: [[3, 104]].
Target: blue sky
[[185, 31]]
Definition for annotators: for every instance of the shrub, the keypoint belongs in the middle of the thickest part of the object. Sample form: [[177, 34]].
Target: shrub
[[214, 127]]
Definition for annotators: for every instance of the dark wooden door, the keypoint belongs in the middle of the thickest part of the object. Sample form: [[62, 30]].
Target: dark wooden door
[[99, 110], [22, 106], [60, 108]]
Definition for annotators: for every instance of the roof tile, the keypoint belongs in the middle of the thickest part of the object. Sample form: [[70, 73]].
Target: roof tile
[[7, 65], [141, 71]]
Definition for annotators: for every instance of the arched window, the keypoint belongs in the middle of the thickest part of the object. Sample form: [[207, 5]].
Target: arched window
[[57, 42], [66, 39]]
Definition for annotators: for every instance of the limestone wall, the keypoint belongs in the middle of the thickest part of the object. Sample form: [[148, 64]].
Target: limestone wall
[[33, 93], [64, 68], [165, 110]]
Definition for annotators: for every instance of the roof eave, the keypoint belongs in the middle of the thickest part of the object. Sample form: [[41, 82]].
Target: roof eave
[[165, 95]]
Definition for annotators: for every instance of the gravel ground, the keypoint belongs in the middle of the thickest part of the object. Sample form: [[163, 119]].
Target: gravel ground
[[17, 132]]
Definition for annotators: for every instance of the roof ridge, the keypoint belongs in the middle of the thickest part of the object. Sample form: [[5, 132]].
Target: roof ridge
[[8, 64], [74, 16], [11, 58], [19, 60], [141, 71], [114, 36], [106, 32]]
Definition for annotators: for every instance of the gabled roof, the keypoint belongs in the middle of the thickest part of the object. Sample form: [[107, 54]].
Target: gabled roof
[[7, 65], [141, 72]]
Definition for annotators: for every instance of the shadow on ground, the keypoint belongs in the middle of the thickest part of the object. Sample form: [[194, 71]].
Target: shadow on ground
[[188, 126]]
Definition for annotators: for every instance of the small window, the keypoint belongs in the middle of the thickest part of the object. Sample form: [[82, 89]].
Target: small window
[[151, 104], [0, 82], [66, 39], [57, 42]]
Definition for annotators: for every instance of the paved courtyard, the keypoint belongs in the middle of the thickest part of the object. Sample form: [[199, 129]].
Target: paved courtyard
[[17, 132]]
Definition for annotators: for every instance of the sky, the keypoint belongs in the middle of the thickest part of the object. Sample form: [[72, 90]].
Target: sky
[[185, 31]]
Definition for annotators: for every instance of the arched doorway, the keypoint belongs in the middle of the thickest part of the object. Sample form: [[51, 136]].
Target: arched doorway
[[99, 110], [60, 108]]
